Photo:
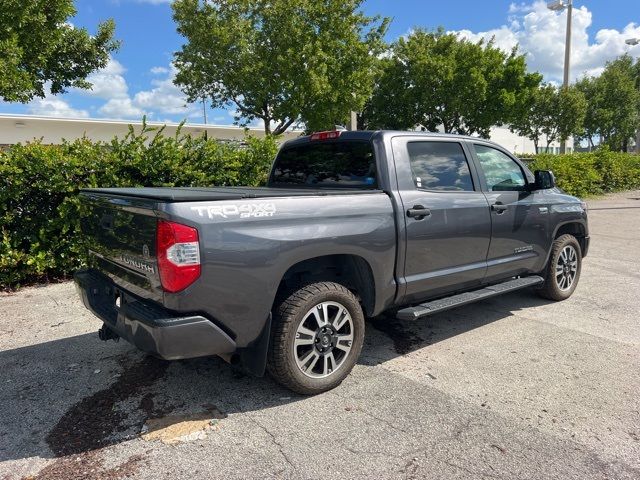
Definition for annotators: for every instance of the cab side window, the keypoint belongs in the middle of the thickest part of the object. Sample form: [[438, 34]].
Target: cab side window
[[439, 166], [500, 171]]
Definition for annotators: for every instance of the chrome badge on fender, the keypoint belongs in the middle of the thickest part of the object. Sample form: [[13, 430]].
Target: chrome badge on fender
[[137, 264]]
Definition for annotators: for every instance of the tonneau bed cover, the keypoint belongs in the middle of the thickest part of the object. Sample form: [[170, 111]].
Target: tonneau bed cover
[[192, 194]]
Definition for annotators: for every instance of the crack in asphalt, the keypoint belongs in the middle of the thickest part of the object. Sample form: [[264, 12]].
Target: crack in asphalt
[[473, 473], [369, 414], [274, 441]]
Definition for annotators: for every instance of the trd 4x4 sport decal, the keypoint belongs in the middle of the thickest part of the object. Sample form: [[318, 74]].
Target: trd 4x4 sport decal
[[248, 210]]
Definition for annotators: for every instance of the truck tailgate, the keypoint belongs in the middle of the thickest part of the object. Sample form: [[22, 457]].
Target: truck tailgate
[[121, 237]]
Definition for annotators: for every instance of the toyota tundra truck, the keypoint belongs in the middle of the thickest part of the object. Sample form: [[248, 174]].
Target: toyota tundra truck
[[350, 225]]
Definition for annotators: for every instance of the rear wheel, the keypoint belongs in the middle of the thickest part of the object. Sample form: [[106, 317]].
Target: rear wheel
[[317, 338], [563, 269]]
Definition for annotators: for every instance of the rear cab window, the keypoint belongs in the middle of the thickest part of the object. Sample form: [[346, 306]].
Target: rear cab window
[[326, 164], [440, 166]]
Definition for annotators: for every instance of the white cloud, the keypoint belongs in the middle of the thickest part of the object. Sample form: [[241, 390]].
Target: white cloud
[[540, 33], [108, 82], [121, 108], [159, 70], [519, 7], [164, 97], [51, 106]]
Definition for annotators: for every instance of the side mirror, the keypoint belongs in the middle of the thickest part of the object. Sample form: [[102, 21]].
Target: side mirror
[[544, 180]]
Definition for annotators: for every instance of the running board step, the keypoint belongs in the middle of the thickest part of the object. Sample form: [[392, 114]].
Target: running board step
[[435, 306]]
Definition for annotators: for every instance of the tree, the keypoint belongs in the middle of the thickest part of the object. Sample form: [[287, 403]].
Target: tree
[[281, 61], [568, 115], [438, 80], [40, 50], [613, 107], [533, 114], [590, 88], [552, 112], [390, 105]]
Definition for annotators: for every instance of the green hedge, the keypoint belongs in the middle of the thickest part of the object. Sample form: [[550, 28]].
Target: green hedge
[[595, 173], [39, 206]]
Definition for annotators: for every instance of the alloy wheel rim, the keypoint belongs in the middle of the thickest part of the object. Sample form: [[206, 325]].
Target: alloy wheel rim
[[323, 339], [567, 268]]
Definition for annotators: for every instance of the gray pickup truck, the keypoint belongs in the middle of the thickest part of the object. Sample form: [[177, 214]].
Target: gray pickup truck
[[350, 225]]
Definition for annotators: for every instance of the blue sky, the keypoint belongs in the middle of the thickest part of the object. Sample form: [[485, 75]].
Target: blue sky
[[139, 78]]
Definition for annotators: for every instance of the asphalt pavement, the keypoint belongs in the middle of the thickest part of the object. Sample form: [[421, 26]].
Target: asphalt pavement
[[513, 387]]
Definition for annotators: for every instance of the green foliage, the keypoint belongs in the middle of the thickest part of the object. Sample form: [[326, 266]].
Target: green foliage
[[613, 109], [39, 46], [437, 79], [568, 118], [281, 61], [552, 113], [595, 173], [534, 114], [40, 208]]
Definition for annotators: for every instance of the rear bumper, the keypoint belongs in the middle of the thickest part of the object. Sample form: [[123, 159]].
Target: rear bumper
[[148, 326]]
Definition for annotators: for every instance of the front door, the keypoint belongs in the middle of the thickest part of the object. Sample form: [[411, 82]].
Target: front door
[[445, 214], [518, 216]]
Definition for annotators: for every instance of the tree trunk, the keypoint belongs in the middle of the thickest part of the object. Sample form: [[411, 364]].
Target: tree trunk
[[535, 144], [267, 125], [282, 126]]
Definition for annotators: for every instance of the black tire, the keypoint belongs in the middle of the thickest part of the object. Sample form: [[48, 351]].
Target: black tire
[[293, 313], [556, 286]]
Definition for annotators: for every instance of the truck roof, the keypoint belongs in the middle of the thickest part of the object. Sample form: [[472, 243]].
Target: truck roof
[[368, 135]]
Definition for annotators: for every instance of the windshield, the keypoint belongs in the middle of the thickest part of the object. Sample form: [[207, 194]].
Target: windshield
[[326, 165]]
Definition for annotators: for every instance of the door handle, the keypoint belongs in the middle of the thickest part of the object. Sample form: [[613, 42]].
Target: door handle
[[499, 208], [418, 212]]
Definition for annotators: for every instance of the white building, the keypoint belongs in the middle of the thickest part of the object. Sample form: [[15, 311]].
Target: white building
[[24, 128], [522, 145]]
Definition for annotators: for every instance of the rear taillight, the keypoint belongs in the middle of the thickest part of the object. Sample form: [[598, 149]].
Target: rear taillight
[[330, 135], [178, 252]]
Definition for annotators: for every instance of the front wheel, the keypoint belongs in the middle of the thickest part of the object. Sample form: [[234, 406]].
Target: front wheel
[[317, 337], [563, 269]]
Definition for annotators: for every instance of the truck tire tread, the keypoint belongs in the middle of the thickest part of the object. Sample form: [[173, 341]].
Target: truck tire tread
[[550, 289], [286, 317]]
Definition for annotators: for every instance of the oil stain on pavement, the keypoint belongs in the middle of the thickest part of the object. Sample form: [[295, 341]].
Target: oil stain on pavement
[[79, 439], [94, 421], [404, 340], [89, 465]]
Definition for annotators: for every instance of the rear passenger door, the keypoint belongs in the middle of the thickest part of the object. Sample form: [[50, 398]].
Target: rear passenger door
[[518, 216], [445, 215]]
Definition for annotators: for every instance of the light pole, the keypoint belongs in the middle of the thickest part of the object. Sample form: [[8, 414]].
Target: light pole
[[558, 6], [204, 109], [353, 118], [633, 42]]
